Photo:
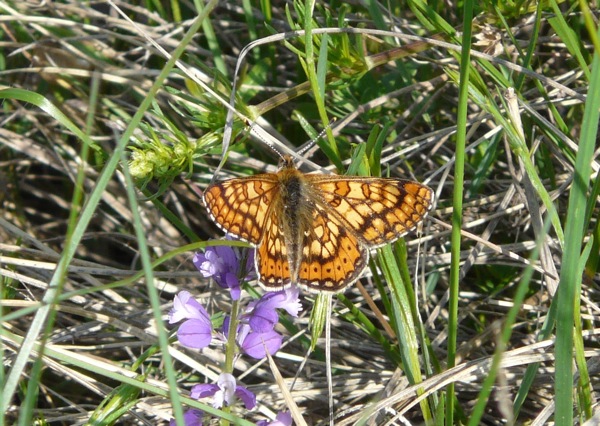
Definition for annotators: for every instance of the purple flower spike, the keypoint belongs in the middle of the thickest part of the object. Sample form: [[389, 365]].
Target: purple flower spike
[[283, 419], [196, 332], [222, 264], [191, 417], [254, 344], [224, 392]]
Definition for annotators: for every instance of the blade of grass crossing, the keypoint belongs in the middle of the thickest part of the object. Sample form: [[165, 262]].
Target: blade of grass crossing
[[406, 332], [570, 274], [149, 279], [316, 76], [511, 317], [27, 408], [457, 199], [584, 388]]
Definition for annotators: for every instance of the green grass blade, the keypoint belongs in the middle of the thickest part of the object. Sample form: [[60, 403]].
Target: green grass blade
[[570, 277], [457, 200]]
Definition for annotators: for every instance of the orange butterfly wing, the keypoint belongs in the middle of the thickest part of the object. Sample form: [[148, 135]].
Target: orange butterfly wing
[[241, 206], [377, 210], [272, 257], [332, 256]]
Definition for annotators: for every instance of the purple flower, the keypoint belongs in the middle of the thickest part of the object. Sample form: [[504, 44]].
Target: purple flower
[[263, 316], [196, 331], [253, 343], [283, 419], [186, 307], [224, 392], [223, 264], [257, 345], [191, 417]]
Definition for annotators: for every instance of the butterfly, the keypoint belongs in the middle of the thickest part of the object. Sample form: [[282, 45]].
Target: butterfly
[[315, 230]]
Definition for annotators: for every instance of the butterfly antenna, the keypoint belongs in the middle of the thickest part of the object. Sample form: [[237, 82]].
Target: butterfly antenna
[[251, 125], [314, 140], [226, 141], [254, 126]]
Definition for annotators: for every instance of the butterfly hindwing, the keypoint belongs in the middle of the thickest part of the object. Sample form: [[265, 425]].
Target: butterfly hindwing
[[332, 256], [272, 257]]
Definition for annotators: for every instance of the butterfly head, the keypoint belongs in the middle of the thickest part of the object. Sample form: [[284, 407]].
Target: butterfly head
[[286, 162]]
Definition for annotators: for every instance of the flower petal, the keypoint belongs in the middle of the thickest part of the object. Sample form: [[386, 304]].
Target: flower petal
[[203, 390], [204, 265], [177, 313], [247, 397], [195, 334], [262, 319], [192, 417], [227, 384], [186, 307], [255, 343], [292, 303]]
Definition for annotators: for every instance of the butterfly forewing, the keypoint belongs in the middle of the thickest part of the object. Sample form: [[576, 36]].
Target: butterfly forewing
[[241, 206], [378, 210]]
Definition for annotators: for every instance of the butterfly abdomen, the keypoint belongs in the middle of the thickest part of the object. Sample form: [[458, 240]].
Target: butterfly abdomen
[[297, 215]]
